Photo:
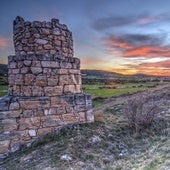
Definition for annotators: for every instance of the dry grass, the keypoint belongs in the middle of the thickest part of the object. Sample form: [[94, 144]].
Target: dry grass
[[109, 143]]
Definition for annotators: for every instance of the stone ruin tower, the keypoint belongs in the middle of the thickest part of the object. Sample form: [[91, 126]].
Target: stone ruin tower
[[45, 90]]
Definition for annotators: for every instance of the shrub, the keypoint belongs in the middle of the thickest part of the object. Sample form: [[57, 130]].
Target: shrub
[[142, 111]]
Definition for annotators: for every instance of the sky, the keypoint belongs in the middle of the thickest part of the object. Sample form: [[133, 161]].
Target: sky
[[123, 36]]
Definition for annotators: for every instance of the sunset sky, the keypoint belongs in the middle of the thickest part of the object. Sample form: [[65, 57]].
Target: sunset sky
[[124, 36]]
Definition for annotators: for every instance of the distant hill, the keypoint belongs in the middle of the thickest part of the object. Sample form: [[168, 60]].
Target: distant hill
[[100, 74], [3, 69], [3, 74]]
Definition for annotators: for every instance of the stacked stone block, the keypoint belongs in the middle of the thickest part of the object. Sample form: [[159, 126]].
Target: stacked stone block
[[43, 75], [45, 90], [24, 119], [42, 37]]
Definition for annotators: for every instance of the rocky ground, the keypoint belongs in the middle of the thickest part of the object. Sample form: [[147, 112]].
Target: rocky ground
[[109, 143]]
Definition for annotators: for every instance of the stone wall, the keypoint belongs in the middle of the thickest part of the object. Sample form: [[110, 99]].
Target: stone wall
[[24, 119], [42, 37], [43, 75], [45, 90]]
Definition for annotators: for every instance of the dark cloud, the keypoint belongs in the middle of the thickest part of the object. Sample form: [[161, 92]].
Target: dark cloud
[[127, 20], [104, 23], [137, 45], [143, 39], [137, 40]]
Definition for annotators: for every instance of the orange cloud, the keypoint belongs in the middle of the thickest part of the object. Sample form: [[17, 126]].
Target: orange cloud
[[134, 47], [116, 43], [3, 42], [89, 61], [161, 68], [93, 63], [146, 20], [3, 60], [147, 51]]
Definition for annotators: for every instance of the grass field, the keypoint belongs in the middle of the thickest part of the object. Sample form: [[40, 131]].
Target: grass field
[[3, 90], [117, 89]]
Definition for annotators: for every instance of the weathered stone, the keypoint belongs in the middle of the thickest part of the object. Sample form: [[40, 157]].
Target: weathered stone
[[61, 110], [53, 51], [71, 71], [69, 89], [16, 90], [41, 41], [72, 79], [10, 114], [82, 116], [48, 47], [29, 123], [53, 81], [78, 89], [27, 113], [15, 71], [38, 112], [4, 103], [41, 80], [56, 101], [8, 135], [43, 131], [36, 24], [36, 35], [66, 157], [14, 106], [36, 63], [80, 108], [36, 70], [58, 110], [20, 64], [90, 116], [24, 70], [70, 109], [9, 124], [52, 121], [11, 79], [63, 80], [33, 104], [56, 31], [27, 62], [50, 64], [46, 112], [4, 146], [32, 133], [65, 65], [37, 91], [26, 90], [23, 134], [47, 71], [53, 91], [45, 31], [70, 118], [12, 65], [29, 79], [19, 80], [80, 99], [57, 42], [62, 71], [15, 146], [52, 111]]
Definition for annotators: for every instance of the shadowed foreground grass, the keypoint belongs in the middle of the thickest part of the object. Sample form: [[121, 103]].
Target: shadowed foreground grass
[[3, 90], [106, 144]]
